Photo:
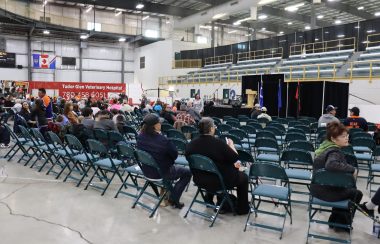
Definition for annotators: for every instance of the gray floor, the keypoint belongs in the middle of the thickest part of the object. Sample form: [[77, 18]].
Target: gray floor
[[36, 208]]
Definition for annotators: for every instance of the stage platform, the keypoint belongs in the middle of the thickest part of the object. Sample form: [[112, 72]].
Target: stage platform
[[225, 110]]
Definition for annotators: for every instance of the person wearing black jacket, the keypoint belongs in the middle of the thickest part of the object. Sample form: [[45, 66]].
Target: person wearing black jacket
[[329, 157], [225, 157], [164, 153], [38, 114]]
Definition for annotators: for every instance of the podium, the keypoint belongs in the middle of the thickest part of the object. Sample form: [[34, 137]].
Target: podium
[[251, 96]]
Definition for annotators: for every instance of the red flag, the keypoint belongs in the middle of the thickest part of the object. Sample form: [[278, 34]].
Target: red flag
[[298, 97], [297, 92]]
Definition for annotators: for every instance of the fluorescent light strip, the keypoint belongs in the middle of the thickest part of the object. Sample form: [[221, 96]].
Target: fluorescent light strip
[[295, 7], [89, 9], [233, 31], [146, 17]]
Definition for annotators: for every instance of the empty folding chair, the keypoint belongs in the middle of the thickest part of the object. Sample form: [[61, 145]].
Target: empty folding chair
[[267, 150], [180, 144], [374, 171], [306, 146], [176, 134], [61, 152], [19, 144], [224, 128]]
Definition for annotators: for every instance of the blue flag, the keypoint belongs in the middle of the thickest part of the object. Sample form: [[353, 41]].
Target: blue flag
[[261, 95], [279, 96]]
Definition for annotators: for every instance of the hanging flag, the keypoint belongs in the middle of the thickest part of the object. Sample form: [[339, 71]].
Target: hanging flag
[[43, 61], [298, 98], [261, 95], [279, 95]]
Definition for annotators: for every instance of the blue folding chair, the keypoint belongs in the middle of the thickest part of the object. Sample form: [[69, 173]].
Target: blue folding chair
[[265, 192]]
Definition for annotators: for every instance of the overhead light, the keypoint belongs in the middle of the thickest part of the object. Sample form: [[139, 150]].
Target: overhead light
[[338, 21], [167, 22], [326, 32], [122, 39], [263, 29], [307, 27], [151, 33], [237, 23], [46, 32], [377, 14], [84, 36], [357, 27], [140, 6], [233, 31], [263, 16], [290, 23], [263, 2], [316, 39], [218, 16], [370, 31], [89, 9], [248, 34], [44, 3], [295, 7], [320, 16], [118, 13], [340, 36], [281, 33], [365, 42], [360, 8], [146, 17]]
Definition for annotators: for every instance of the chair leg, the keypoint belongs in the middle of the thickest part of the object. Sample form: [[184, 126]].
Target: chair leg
[[158, 204], [140, 194], [122, 185], [192, 202], [217, 211], [92, 177], [108, 183]]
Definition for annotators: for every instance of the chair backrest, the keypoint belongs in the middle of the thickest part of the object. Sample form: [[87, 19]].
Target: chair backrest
[[255, 125], [305, 128], [295, 137], [101, 134], [115, 137], [165, 127], [145, 159], [40, 139], [360, 134], [188, 129], [335, 179], [234, 138], [265, 134], [263, 120], [96, 147], [245, 156], [266, 142], [205, 164], [277, 125], [54, 139], [295, 130], [291, 156], [348, 149], [364, 142], [302, 145], [180, 144], [125, 152], [25, 133], [224, 128], [274, 130], [354, 130], [268, 170], [73, 143], [129, 131], [175, 134], [376, 151], [250, 130], [351, 159], [239, 133]]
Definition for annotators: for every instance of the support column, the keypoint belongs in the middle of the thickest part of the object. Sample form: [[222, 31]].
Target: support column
[[313, 17], [212, 34], [222, 35], [122, 63], [29, 57], [80, 61], [160, 27]]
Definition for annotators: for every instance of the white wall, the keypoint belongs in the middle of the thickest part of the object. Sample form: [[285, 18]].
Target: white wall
[[159, 58], [367, 90]]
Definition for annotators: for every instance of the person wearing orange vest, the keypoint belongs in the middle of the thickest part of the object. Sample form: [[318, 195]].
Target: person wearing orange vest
[[355, 121]]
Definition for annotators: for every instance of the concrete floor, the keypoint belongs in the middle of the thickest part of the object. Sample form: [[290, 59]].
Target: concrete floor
[[36, 208]]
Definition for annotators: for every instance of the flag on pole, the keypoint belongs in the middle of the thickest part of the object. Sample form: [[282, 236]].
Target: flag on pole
[[279, 95], [298, 98], [261, 95]]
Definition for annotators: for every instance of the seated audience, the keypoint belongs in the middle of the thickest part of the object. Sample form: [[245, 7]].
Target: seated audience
[[256, 111], [5, 137], [164, 153], [355, 121], [95, 108], [369, 207], [329, 156], [120, 122], [17, 107], [167, 114], [328, 117], [69, 113], [103, 121], [76, 109], [126, 107], [264, 114], [25, 113], [158, 106], [88, 120], [225, 158], [184, 116], [190, 110], [115, 105]]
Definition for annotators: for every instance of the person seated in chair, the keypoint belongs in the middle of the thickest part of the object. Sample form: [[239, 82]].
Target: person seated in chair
[[256, 111], [329, 157], [264, 114], [328, 117], [355, 121], [369, 207], [164, 153], [225, 157]]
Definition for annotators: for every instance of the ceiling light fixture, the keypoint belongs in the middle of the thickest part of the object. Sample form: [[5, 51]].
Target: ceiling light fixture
[[263, 29], [140, 6], [219, 16], [44, 3], [360, 8], [340, 36], [263, 2], [316, 39], [122, 39], [84, 36], [281, 33], [295, 7], [263, 16], [338, 22], [248, 34], [118, 13], [290, 23], [237, 23], [371, 31], [146, 17], [377, 14], [233, 31], [307, 27], [357, 27], [320, 16], [46, 32]]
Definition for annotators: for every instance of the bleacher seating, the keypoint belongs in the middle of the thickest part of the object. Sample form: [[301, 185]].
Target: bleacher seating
[[365, 63]]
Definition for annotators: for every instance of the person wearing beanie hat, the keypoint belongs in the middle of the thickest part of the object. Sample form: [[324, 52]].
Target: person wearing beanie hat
[[355, 121], [328, 117], [164, 153]]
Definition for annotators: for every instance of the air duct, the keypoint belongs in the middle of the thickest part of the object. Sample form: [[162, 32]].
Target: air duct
[[227, 8]]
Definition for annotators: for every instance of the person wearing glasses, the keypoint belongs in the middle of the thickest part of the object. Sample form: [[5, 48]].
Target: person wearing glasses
[[329, 157]]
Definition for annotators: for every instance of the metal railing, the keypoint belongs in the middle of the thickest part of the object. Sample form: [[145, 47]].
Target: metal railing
[[219, 59], [326, 46], [359, 70], [261, 54], [373, 40], [187, 63]]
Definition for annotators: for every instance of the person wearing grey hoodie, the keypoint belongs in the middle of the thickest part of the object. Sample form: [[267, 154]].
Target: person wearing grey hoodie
[[329, 157], [328, 117]]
